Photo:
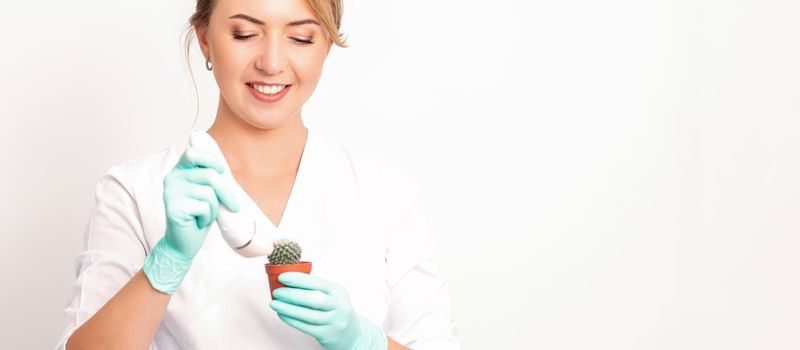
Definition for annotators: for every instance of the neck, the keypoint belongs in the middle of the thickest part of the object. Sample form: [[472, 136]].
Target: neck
[[258, 151]]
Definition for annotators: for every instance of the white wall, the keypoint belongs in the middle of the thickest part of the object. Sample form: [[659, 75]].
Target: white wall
[[624, 173]]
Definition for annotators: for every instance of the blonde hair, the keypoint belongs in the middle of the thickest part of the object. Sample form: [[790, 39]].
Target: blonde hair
[[330, 13]]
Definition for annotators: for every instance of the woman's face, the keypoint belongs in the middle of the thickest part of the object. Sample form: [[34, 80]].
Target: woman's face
[[267, 45]]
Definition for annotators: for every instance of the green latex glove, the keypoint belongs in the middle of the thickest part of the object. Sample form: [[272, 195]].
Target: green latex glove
[[192, 193], [322, 310]]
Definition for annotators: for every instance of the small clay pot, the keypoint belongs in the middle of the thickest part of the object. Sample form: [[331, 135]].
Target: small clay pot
[[273, 271]]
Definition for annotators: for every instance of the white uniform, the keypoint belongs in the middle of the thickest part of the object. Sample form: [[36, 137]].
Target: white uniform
[[359, 220]]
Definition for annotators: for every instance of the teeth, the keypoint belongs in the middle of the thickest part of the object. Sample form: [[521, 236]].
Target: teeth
[[268, 89]]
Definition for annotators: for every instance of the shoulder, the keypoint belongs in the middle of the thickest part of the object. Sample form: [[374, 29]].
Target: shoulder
[[142, 177], [370, 166], [151, 167], [381, 181], [135, 187]]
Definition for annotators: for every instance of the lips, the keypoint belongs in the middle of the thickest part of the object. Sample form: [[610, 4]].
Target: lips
[[269, 93]]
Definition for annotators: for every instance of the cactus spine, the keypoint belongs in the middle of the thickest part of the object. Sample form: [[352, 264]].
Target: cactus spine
[[285, 252]]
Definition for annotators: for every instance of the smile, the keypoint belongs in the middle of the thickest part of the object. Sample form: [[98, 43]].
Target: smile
[[268, 89], [268, 93]]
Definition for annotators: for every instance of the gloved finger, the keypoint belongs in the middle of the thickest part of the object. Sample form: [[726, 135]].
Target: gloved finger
[[197, 157], [202, 176], [310, 316], [306, 281], [313, 299], [205, 193], [189, 210], [310, 329]]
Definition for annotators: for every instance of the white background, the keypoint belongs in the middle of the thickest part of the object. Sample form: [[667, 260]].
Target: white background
[[599, 174]]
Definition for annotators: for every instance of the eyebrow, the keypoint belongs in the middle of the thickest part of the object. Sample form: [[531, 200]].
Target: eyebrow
[[260, 22]]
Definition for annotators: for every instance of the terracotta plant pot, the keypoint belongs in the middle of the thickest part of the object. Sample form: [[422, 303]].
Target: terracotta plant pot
[[273, 271]]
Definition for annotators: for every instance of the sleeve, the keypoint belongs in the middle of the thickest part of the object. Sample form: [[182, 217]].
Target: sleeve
[[419, 314], [113, 251]]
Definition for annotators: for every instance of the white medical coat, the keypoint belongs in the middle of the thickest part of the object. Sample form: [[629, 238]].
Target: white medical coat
[[358, 218]]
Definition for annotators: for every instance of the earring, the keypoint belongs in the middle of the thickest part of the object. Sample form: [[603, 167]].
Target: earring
[[208, 64]]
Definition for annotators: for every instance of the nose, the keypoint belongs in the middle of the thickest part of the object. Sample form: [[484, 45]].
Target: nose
[[272, 59]]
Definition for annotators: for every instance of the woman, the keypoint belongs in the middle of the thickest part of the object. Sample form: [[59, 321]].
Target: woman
[[155, 269]]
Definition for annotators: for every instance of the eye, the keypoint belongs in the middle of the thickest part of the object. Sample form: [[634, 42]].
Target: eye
[[303, 41], [242, 37]]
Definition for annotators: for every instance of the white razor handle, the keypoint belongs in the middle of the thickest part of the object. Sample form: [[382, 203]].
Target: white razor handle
[[241, 230]]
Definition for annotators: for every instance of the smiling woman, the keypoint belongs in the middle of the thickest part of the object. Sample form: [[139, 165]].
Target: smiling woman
[[146, 237]]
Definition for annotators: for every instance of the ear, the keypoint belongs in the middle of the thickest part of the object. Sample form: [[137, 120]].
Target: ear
[[202, 39]]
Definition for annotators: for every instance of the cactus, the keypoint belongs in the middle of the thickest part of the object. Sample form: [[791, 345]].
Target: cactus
[[285, 252]]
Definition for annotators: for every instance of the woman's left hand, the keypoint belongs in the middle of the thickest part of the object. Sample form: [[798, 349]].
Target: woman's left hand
[[322, 309]]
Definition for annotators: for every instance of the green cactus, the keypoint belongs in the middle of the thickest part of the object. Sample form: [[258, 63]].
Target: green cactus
[[285, 252]]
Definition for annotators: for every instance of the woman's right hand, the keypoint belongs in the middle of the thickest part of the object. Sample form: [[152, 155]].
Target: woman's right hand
[[193, 191]]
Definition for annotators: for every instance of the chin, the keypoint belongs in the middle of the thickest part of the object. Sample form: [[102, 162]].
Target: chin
[[267, 119]]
